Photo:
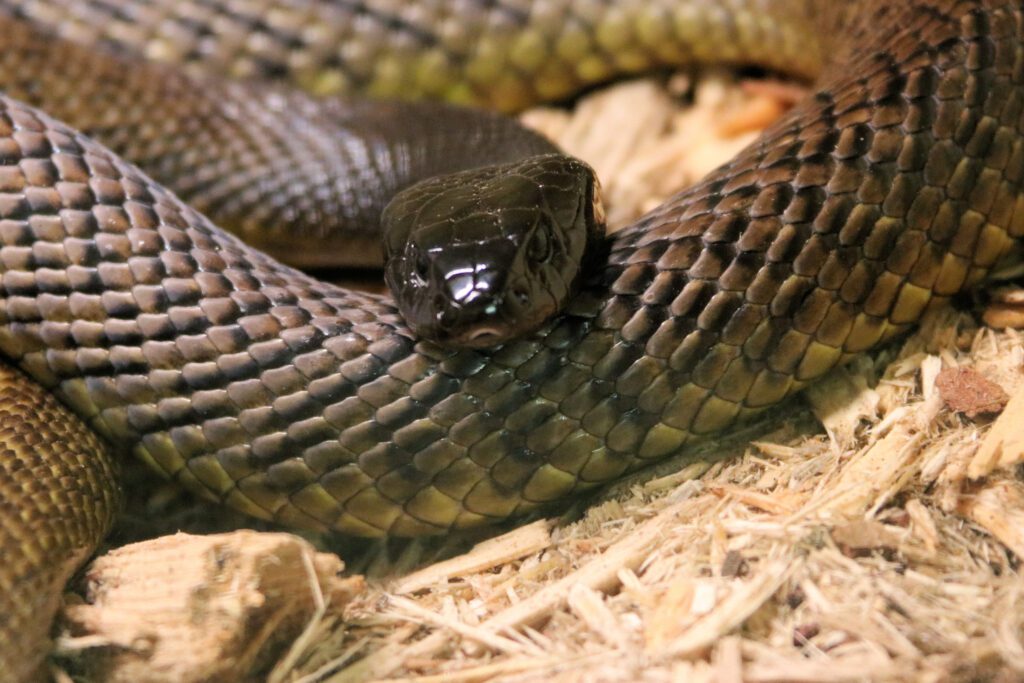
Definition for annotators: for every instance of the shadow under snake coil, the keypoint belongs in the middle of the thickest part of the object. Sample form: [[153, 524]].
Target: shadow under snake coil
[[895, 185]]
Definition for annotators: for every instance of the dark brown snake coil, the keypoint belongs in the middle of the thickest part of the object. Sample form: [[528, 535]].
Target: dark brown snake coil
[[897, 184]]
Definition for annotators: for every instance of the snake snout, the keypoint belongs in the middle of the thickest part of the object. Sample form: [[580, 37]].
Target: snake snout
[[470, 311]]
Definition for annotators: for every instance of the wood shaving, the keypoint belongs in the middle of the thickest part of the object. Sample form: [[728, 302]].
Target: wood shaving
[[1003, 446], [999, 508]]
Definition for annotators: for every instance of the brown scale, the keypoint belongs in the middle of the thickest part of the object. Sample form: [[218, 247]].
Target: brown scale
[[58, 501]]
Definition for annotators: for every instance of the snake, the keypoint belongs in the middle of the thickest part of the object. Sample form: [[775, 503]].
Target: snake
[[894, 185]]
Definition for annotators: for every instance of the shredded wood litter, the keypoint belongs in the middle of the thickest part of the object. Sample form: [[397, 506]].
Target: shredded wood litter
[[870, 531]]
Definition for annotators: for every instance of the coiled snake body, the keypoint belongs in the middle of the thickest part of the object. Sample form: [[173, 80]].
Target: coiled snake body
[[897, 184]]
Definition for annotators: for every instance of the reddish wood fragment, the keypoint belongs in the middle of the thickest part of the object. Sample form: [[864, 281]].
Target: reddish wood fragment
[[966, 391]]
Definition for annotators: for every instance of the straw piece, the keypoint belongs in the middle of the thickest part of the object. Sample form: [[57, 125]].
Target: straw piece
[[494, 552], [999, 508], [1003, 446]]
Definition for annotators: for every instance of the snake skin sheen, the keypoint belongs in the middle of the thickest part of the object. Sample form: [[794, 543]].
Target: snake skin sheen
[[896, 185]]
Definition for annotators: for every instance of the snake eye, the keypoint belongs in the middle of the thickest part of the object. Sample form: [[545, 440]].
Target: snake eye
[[422, 267], [539, 250]]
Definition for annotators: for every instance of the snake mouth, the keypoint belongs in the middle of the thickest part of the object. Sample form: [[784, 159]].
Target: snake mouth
[[477, 339], [484, 337]]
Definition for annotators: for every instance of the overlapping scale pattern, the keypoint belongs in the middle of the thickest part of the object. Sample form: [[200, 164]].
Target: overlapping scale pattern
[[58, 500], [896, 185], [503, 53]]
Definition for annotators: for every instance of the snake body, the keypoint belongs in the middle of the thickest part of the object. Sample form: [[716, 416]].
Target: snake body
[[294, 176], [895, 185]]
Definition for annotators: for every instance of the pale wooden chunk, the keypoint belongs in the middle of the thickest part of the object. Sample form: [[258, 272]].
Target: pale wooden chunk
[[1003, 446], [201, 608], [875, 474], [843, 402]]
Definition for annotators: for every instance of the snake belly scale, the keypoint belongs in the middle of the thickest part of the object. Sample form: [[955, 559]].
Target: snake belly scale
[[895, 185]]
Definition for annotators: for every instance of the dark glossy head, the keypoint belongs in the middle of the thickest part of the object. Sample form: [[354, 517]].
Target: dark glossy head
[[477, 258]]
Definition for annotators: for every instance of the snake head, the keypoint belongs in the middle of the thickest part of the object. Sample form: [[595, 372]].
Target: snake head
[[480, 257]]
